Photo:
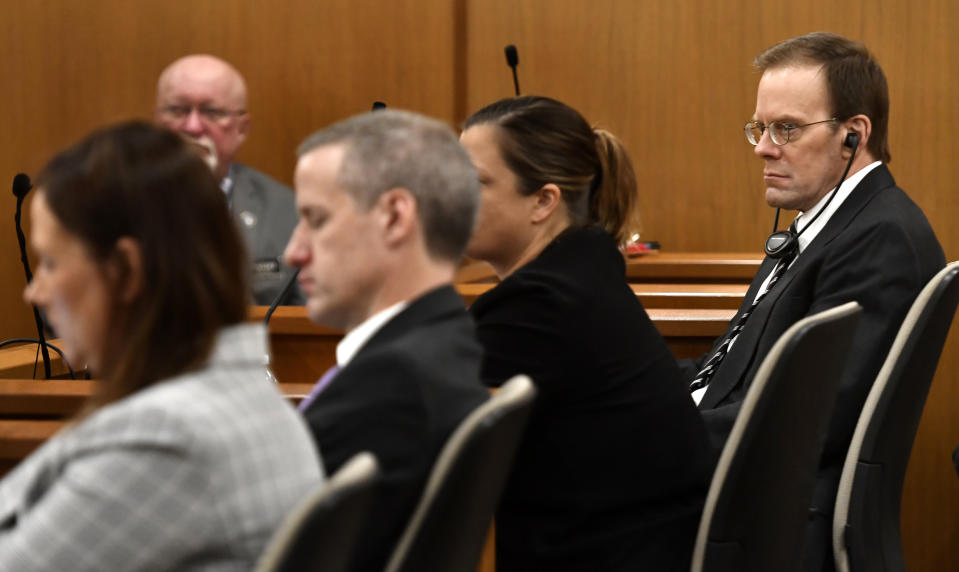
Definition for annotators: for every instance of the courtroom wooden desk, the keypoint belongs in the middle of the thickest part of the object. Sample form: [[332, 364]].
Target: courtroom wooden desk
[[43, 398], [693, 296], [302, 351], [32, 410], [736, 267], [23, 361], [59, 398], [673, 267]]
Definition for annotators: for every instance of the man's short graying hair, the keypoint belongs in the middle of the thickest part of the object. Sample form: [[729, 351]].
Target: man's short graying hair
[[391, 149]]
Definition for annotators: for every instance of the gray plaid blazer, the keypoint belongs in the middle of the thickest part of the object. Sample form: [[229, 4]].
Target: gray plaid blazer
[[192, 473]]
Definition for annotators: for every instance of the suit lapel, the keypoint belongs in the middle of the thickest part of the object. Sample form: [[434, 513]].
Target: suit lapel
[[877, 179], [248, 202], [734, 368], [440, 303], [739, 357]]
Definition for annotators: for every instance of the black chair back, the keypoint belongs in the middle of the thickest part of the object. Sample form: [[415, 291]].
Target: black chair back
[[449, 526], [756, 508], [866, 535], [321, 532]]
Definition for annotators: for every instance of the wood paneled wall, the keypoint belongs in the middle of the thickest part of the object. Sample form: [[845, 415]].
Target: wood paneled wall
[[674, 81], [69, 67], [672, 78]]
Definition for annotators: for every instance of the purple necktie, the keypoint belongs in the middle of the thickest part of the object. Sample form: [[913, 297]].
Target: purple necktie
[[324, 381]]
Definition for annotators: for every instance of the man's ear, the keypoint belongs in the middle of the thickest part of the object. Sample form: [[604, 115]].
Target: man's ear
[[547, 200], [862, 126], [125, 269], [398, 215], [243, 126]]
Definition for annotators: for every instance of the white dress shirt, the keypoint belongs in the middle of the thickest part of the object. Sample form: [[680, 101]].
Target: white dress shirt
[[358, 336]]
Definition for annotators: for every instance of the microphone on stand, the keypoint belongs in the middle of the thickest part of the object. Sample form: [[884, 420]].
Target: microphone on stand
[[512, 60], [22, 186], [283, 292]]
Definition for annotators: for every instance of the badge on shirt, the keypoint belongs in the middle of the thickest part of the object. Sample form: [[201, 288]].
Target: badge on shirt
[[248, 219], [266, 266]]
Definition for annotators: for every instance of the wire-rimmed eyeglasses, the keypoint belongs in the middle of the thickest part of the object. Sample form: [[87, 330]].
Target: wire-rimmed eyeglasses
[[208, 114], [779, 132]]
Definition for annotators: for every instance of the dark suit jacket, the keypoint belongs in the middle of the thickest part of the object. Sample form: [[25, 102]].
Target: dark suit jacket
[[611, 472], [265, 211], [400, 397], [877, 249]]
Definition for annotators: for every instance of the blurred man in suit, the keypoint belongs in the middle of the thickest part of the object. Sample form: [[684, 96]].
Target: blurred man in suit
[[822, 105], [386, 203], [204, 99]]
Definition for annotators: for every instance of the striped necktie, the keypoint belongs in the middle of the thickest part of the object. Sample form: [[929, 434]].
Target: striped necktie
[[705, 375]]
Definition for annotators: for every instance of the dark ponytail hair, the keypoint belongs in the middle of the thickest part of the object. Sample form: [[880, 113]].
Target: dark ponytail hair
[[545, 141]]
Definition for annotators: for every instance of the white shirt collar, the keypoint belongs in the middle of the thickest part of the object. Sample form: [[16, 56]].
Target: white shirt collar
[[358, 336], [845, 189], [226, 184]]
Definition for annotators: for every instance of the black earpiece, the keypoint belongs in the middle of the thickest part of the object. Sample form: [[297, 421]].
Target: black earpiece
[[781, 244], [784, 243], [852, 140]]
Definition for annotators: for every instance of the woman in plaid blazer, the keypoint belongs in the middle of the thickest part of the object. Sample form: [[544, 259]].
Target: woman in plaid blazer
[[187, 457]]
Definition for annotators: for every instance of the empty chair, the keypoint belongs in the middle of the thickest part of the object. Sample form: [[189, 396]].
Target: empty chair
[[756, 509], [449, 525], [866, 521], [322, 530]]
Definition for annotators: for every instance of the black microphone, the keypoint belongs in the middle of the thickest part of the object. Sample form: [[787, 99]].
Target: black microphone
[[283, 292], [22, 186], [378, 105], [781, 243], [512, 60]]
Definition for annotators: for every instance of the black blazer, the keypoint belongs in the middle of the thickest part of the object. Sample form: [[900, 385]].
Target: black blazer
[[877, 249], [400, 397], [611, 473]]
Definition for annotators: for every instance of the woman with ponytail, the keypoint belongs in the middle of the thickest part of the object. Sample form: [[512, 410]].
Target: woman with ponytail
[[612, 470]]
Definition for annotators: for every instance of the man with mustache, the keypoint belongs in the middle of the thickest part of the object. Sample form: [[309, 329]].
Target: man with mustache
[[204, 99]]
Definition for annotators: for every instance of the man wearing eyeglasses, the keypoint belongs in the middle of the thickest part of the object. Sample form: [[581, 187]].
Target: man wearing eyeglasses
[[204, 99], [822, 106]]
